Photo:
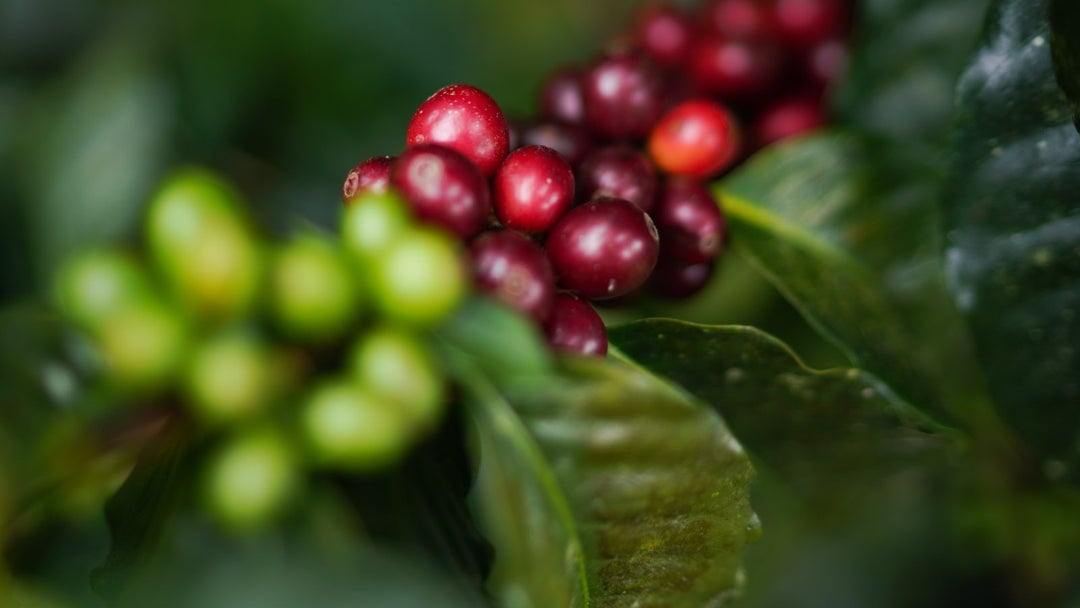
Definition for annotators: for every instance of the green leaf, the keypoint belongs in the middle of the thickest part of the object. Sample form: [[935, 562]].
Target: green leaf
[[421, 504], [905, 58], [1065, 48], [844, 226], [1012, 217], [501, 343], [284, 567], [606, 463], [823, 430], [140, 514]]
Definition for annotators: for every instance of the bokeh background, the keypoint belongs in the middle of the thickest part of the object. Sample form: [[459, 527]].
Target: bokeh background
[[101, 98]]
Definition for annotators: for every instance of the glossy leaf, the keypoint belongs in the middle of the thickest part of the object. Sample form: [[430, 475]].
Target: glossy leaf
[[822, 430], [606, 463], [843, 226], [1012, 218], [905, 58], [283, 568], [1065, 48]]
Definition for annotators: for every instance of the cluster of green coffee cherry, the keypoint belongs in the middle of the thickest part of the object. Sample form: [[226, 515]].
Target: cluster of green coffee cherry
[[312, 352]]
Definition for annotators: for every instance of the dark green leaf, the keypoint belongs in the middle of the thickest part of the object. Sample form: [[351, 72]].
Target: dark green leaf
[[421, 504], [1012, 215], [824, 430], [284, 568], [1065, 47], [142, 511], [844, 226], [905, 59], [501, 343], [607, 462]]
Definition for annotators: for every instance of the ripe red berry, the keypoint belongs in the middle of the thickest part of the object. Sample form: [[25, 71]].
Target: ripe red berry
[[532, 188], [624, 94], [371, 175], [466, 119], [697, 138], [738, 18], [677, 280], [743, 70], [574, 327], [604, 248], [787, 118], [804, 23], [689, 222], [665, 33], [572, 142], [561, 98], [823, 64], [443, 188], [619, 171], [515, 270]]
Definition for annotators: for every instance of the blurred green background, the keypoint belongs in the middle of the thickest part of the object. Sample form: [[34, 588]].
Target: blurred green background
[[98, 98]]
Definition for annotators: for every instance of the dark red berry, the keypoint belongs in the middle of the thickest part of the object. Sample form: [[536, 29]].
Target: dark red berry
[[824, 63], [561, 99], [571, 141], [697, 138], [371, 175], [676, 280], [665, 33], [624, 94], [443, 188], [804, 23], [741, 70], [532, 188], [787, 118], [689, 221], [515, 270], [738, 18], [604, 248], [466, 119], [618, 171], [574, 327]]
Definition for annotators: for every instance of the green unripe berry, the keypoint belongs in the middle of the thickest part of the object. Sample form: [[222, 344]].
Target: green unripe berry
[[93, 285], [203, 245], [143, 345], [372, 221], [229, 377], [420, 277], [397, 365], [314, 293], [350, 428], [251, 480]]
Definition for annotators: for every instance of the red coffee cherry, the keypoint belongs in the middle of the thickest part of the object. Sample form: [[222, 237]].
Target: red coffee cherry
[[697, 138], [443, 188], [466, 119], [623, 95], [572, 142], [803, 23], [787, 118], [371, 175], [515, 270], [664, 33], [677, 280], [743, 70], [604, 248], [619, 171], [689, 222], [532, 188], [561, 98], [575, 327]]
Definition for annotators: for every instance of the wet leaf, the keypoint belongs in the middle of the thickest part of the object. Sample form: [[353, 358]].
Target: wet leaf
[[1012, 217], [822, 430]]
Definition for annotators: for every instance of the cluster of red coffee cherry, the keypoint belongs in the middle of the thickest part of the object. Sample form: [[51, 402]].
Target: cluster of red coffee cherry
[[604, 194]]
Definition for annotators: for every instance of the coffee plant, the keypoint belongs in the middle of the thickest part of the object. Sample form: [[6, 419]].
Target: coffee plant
[[767, 302]]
